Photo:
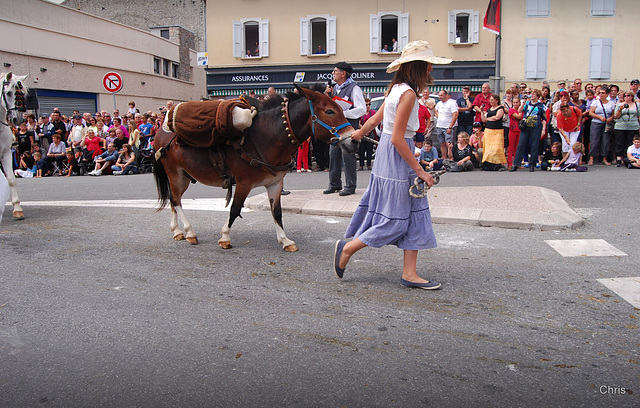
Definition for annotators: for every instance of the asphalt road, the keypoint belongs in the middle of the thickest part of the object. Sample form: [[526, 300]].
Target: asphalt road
[[100, 307]]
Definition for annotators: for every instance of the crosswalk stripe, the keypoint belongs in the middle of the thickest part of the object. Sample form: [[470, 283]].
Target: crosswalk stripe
[[201, 204]]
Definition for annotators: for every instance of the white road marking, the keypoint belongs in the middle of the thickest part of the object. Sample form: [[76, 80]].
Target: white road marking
[[201, 204], [584, 247], [626, 288]]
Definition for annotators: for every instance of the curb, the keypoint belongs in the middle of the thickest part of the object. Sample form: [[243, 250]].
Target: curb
[[513, 207]]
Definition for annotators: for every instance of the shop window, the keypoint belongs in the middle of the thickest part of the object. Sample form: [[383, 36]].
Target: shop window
[[317, 35], [535, 60], [600, 58], [251, 38], [464, 27], [385, 27]]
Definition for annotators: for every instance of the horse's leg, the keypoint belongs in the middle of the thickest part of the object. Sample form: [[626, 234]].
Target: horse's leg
[[273, 191], [179, 185], [239, 196], [178, 234], [7, 165]]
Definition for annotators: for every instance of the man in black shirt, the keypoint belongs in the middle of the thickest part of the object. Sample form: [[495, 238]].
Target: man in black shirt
[[466, 113]]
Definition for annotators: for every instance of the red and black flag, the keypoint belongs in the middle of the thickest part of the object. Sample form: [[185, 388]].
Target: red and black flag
[[492, 17]]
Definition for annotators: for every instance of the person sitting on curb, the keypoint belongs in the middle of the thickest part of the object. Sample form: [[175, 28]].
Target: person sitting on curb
[[105, 160], [429, 157], [632, 161]]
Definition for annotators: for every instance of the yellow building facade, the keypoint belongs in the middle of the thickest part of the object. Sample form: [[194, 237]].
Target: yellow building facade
[[552, 40], [254, 44]]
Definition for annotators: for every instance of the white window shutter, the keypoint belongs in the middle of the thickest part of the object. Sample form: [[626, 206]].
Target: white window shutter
[[610, 7], [537, 8], [475, 27], [374, 32], [452, 28], [531, 8], [304, 36], [542, 58], [603, 7], [600, 58], [331, 35], [237, 39], [607, 53], [595, 58], [535, 62], [403, 31], [597, 7], [264, 38]]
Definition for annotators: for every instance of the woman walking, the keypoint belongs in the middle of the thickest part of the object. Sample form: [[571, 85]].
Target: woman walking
[[387, 214]]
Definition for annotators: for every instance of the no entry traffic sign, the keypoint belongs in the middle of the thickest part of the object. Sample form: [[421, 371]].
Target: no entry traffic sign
[[112, 82]]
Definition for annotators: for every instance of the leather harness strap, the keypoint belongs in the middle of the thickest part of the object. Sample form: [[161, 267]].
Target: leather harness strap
[[259, 162]]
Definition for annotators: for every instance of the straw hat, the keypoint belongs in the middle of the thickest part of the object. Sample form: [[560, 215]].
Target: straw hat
[[417, 51]]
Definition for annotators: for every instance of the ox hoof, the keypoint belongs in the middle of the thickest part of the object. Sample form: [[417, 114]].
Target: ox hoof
[[179, 237], [192, 240], [18, 215], [291, 248], [225, 244]]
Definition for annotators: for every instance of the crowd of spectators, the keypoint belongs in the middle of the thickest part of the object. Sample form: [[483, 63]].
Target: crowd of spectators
[[535, 128], [105, 143]]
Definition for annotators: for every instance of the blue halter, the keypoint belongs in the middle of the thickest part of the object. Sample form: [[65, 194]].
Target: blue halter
[[331, 130]]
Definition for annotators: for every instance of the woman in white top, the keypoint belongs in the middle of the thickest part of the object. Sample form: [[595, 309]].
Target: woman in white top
[[387, 214], [601, 111]]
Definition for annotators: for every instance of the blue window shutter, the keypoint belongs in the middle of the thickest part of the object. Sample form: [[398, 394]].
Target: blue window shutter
[[600, 58]]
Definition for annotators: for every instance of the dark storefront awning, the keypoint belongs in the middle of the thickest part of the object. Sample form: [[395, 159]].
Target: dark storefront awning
[[373, 78]]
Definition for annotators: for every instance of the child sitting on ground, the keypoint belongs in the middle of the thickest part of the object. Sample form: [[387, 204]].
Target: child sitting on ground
[[73, 167], [36, 169], [475, 140], [632, 161], [552, 157], [429, 157], [572, 160]]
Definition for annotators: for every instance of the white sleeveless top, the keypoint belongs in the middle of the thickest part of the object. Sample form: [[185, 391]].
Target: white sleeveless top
[[391, 106]]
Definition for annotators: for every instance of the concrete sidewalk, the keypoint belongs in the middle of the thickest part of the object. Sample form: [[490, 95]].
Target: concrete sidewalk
[[519, 207]]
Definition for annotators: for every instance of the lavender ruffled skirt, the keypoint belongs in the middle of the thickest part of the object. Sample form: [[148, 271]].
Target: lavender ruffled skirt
[[387, 214]]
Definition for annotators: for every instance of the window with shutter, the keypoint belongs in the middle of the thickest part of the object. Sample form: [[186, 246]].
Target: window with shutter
[[537, 8], [250, 38], [385, 27], [600, 58], [535, 62], [463, 27]]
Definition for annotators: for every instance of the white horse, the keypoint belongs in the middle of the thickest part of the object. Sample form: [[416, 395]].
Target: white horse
[[10, 84]]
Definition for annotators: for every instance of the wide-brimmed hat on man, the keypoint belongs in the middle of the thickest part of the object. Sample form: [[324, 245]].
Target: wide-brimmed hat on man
[[419, 50]]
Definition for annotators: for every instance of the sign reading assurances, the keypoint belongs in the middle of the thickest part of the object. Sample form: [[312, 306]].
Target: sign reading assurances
[[112, 82]]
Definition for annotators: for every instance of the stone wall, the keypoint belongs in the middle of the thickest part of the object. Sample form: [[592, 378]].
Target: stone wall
[[189, 14]]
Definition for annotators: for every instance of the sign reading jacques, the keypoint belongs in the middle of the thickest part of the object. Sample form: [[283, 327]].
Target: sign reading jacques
[[267, 76]]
